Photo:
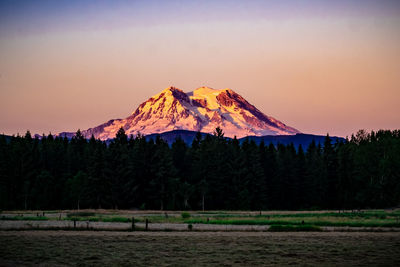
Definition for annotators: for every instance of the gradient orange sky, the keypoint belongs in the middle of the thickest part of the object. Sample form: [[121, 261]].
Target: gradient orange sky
[[319, 67]]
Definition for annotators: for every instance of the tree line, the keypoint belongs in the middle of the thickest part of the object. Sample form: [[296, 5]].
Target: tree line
[[212, 173]]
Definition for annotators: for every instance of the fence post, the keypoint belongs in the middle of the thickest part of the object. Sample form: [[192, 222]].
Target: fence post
[[133, 223], [147, 224], [74, 224]]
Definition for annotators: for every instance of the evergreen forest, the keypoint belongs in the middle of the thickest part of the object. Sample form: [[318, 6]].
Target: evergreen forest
[[212, 173]]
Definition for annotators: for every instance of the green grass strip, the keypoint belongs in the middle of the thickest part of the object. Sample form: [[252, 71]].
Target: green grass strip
[[278, 222]]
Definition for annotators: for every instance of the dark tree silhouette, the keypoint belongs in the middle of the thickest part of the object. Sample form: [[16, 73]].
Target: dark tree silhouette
[[213, 172]]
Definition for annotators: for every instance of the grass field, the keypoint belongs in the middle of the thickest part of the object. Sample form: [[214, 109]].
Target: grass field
[[83, 248], [291, 237], [367, 218]]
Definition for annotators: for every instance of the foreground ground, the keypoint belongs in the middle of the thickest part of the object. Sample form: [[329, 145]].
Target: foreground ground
[[198, 248], [49, 238]]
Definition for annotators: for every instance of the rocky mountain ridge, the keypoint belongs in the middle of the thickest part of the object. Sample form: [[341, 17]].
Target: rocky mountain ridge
[[202, 110]]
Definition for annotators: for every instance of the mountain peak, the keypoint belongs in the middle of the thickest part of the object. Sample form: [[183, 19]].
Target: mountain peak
[[205, 90], [203, 109], [171, 89]]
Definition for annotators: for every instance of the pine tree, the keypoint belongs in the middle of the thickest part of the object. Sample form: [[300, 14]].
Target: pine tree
[[5, 198], [163, 173], [301, 179], [330, 162], [77, 185], [314, 181]]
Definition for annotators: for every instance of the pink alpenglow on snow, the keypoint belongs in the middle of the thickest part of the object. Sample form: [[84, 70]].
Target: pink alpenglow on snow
[[202, 110]]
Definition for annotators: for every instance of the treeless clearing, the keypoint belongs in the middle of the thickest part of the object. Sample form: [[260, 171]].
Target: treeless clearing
[[197, 248]]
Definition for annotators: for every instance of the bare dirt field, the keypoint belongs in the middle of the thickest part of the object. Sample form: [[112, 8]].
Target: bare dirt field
[[83, 248], [115, 226]]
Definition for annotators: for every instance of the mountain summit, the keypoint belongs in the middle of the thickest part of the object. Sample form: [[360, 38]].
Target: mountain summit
[[202, 110]]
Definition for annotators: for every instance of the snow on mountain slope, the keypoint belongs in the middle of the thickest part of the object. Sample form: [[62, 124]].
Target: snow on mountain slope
[[203, 110]]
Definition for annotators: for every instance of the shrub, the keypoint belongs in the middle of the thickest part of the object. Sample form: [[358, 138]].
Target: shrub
[[185, 215]]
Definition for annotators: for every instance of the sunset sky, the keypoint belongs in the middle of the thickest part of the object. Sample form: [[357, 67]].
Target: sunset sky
[[318, 66]]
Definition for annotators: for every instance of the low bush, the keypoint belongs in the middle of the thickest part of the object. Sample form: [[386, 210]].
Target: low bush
[[185, 215]]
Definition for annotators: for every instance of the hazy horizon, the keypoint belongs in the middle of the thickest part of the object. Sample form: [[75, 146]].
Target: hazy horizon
[[320, 67]]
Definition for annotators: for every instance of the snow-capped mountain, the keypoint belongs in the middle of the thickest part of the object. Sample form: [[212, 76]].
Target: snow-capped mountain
[[202, 110]]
